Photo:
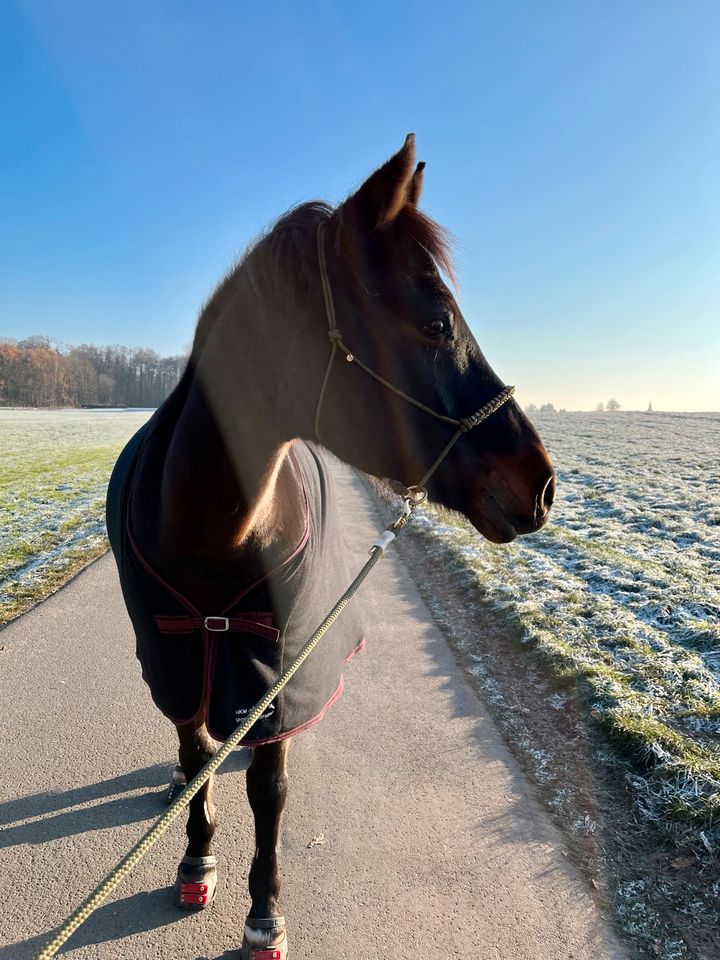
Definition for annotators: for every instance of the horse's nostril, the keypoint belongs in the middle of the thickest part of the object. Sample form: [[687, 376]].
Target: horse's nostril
[[547, 496]]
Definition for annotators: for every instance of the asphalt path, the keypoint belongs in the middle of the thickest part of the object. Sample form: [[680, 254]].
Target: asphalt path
[[409, 829]]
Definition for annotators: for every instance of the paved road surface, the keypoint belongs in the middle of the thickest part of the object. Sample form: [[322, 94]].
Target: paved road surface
[[434, 846]]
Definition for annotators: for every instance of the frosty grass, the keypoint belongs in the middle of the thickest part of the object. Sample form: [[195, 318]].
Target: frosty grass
[[54, 469], [621, 594]]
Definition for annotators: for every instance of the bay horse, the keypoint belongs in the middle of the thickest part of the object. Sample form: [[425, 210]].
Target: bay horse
[[220, 510]]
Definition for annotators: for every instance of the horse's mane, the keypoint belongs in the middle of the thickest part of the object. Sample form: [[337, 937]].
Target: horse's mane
[[270, 250], [287, 248]]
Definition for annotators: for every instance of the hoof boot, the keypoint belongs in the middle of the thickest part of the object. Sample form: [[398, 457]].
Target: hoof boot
[[264, 940], [196, 883]]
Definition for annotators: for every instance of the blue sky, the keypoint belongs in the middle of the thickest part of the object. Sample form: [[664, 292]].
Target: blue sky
[[573, 148]]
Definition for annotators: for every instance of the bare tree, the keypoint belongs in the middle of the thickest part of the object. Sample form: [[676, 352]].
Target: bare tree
[[600, 407], [612, 405]]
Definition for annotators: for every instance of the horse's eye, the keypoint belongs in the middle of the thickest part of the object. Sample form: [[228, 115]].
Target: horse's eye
[[436, 329]]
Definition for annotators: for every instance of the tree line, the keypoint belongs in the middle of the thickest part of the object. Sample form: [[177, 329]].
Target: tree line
[[611, 405], [39, 372]]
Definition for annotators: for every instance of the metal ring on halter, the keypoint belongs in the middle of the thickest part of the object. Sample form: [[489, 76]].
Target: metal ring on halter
[[416, 495]]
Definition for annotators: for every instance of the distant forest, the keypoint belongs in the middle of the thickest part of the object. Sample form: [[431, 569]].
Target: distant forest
[[37, 372]]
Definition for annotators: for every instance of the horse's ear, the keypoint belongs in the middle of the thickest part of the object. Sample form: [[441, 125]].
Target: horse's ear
[[385, 193], [416, 183]]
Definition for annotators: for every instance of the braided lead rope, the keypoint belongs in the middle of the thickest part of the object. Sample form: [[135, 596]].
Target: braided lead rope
[[335, 337], [124, 866]]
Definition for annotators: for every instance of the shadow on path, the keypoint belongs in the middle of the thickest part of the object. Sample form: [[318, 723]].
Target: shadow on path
[[114, 921], [114, 812], [39, 804]]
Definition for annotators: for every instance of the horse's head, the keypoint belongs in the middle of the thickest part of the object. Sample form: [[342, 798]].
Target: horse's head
[[397, 315]]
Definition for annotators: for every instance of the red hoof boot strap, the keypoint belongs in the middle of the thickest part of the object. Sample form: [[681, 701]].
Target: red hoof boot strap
[[193, 893], [195, 883]]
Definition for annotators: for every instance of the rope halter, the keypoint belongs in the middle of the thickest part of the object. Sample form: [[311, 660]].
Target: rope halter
[[417, 492]]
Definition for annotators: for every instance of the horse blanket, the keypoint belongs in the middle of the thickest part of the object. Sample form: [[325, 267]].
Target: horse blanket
[[221, 662]]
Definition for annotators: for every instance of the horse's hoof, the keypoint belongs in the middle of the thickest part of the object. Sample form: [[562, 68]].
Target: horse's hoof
[[264, 939], [196, 883], [177, 783]]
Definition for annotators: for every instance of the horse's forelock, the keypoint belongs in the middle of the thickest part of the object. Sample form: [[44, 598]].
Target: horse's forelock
[[432, 237]]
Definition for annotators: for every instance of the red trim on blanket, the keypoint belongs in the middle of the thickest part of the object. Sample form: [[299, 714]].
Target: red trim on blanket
[[153, 573], [266, 576], [353, 653], [295, 730]]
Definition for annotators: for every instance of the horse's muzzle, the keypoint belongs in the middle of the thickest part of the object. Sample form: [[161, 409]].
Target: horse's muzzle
[[510, 503]]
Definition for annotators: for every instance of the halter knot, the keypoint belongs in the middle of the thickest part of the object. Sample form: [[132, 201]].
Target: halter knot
[[467, 423], [334, 335]]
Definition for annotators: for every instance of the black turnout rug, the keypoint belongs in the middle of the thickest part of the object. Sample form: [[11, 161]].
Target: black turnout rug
[[222, 662]]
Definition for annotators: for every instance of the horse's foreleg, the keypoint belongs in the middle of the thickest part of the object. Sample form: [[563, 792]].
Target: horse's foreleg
[[267, 789], [197, 874]]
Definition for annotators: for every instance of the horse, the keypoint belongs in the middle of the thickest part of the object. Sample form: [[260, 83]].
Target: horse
[[337, 330]]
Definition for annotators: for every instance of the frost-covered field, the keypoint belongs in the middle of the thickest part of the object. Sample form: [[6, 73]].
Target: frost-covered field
[[54, 469], [622, 593]]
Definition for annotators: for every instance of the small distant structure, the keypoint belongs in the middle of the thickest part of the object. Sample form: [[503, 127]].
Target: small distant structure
[[649, 409]]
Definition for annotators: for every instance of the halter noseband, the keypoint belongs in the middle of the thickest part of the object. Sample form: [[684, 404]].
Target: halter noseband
[[416, 492]]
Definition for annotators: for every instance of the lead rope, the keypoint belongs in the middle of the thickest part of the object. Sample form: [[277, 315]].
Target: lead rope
[[336, 341], [124, 866]]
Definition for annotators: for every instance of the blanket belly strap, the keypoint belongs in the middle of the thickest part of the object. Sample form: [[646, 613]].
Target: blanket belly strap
[[257, 623]]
